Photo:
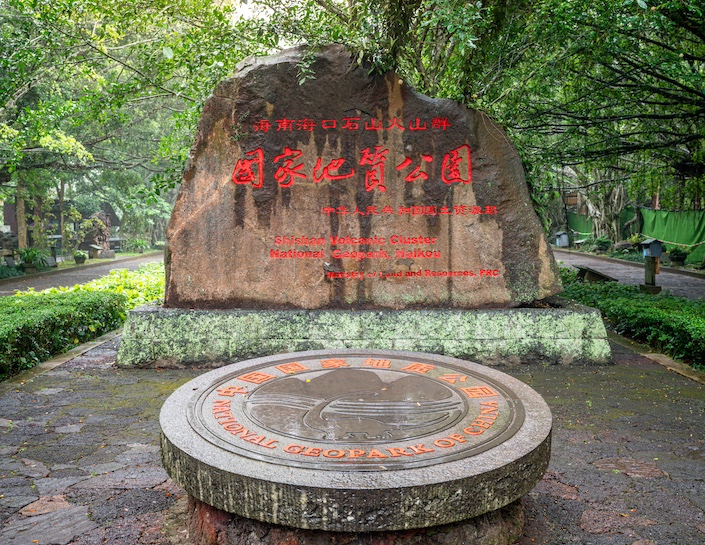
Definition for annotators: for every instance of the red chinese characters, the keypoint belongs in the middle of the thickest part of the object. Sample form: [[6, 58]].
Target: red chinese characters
[[288, 172], [250, 171], [353, 123], [374, 177], [330, 172], [290, 167], [457, 166], [417, 173]]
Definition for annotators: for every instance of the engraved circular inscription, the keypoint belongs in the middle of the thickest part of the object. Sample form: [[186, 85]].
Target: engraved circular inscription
[[357, 412], [356, 440]]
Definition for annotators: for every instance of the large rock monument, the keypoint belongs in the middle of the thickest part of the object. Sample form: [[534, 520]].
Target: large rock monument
[[350, 190], [349, 211], [348, 215]]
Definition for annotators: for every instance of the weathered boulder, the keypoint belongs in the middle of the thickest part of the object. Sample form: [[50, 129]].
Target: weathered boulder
[[350, 190]]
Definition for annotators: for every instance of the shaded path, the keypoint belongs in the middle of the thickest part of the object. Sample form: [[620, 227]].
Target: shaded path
[[74, 275], [681, 283]]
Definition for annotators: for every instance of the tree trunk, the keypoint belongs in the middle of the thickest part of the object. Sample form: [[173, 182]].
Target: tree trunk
[[21, 214], [62, 220]]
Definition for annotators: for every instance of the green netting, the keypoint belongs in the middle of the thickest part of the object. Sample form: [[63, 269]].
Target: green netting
[[686, 228], [625, 217], [581, 226]]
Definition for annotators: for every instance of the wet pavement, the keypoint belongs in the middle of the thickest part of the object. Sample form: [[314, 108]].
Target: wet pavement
[[80, 461], [75, 275], [684, 283]]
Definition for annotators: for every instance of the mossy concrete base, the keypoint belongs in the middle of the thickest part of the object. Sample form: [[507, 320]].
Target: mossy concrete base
[[561, 333]]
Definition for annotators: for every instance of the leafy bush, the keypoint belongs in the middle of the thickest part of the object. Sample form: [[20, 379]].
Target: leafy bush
[[33, 257], [678, 253], [9, 272], [637, 239], [36, 325], [32, 329], [674, 325], [629, 255], [603, 243], [136, 245], [145, 285]]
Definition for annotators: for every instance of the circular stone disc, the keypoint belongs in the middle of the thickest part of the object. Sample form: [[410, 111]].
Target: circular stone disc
[[356, 440]]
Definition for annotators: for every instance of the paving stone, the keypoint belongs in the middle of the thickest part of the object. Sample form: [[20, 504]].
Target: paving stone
[[72, 428], [66, 470], [602, 522], [631, 467], [99, 469], [16, 500], [141, 477], [52, 486], [44, 505], [50, 391], [57, 528], [131, 503], [35, 469]]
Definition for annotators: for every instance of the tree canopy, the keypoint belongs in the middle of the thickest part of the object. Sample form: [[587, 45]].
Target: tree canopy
[[606, 97]]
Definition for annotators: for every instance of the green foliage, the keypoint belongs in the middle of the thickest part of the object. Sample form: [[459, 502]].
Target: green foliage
[[9, 272], [32, 257], [679, 252], [603, 243], [136, 245], [629, 255], [36, 325], [637, 239], [32, 329], [674, 325], [145, 285]]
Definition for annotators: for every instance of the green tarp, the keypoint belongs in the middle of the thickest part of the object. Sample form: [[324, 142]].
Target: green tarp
[[686, 228], [580, 225]]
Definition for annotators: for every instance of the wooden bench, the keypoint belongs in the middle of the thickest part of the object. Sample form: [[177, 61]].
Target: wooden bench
[[586, 274]]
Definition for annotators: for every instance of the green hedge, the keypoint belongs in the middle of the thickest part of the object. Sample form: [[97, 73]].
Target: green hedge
[[32, 329], [674, 325], [34, 326]]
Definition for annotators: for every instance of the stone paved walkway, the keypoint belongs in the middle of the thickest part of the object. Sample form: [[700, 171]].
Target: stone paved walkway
[[80, 462], [691, 286]]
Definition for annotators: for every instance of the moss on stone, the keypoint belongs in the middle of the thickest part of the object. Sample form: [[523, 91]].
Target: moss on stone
[[179, 337]]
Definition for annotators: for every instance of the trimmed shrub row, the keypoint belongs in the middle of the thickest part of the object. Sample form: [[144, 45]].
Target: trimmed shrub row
[[673, 325], [32, 329], [35, 326]]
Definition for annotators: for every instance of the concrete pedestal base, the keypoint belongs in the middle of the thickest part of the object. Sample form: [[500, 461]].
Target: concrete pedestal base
[[555, 331], [211, 526], [648, 288]]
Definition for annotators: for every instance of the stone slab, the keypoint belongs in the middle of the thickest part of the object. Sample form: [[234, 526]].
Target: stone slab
[[558, 333], [350, 190], [55, 528], [356, 440]]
